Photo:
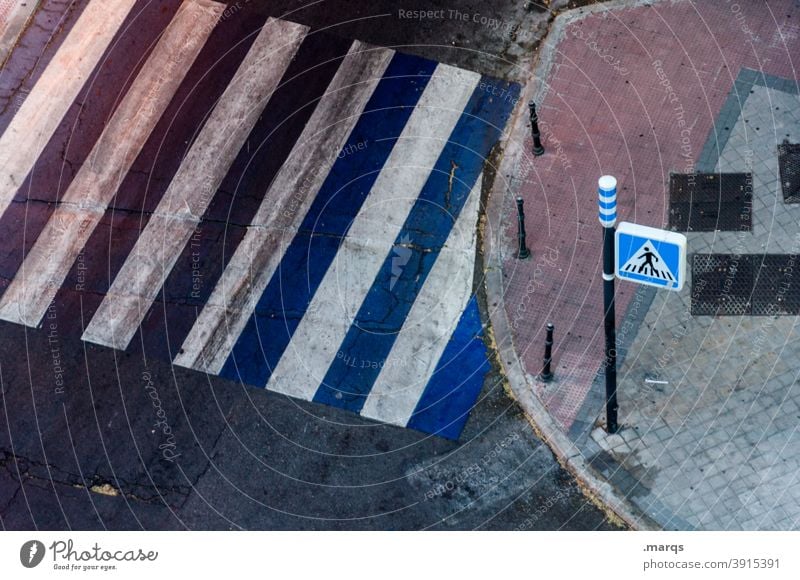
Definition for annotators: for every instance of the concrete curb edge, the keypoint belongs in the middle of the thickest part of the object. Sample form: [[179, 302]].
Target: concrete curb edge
[[502, 192]]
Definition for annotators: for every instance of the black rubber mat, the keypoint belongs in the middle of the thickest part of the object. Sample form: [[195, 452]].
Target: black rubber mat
[[705, 202], [745, 285]]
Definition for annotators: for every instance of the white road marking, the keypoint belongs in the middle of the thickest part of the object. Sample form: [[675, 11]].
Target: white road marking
[[194, 185], [84, 204], [55, 91], [429, 325], [372, 234], [285, 205]]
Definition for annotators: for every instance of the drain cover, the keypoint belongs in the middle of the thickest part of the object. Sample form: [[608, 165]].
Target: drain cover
[[721, 284], [705, 202], [745, 285], [789, 164]]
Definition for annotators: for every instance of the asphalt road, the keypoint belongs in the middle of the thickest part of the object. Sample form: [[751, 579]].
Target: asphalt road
[[94, 438]]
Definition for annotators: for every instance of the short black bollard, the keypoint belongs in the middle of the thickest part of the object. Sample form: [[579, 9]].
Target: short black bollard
[[547, 375], [523, 252], [537, 140]]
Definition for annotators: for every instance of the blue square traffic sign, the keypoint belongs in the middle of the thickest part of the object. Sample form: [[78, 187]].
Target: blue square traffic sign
[[650, 256]]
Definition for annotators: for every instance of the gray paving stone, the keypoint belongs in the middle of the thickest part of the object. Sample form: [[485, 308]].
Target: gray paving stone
[[719, 428]]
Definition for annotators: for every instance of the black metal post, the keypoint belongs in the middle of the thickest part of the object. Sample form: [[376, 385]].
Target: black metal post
[[523, 252], [537, 139], [609, 320], [547, 375]]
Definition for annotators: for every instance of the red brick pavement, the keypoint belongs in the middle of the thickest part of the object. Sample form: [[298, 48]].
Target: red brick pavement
[[609, 109]]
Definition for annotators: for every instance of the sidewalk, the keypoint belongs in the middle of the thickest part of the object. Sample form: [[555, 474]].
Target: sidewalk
[[709, 406]]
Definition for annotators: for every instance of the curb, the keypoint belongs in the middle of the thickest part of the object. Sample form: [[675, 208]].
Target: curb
[[597, 487]]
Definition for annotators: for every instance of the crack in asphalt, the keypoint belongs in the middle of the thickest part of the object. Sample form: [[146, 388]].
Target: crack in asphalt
[[97, 483], [113, 208], [193, 484], [450, 180], [12, 499]]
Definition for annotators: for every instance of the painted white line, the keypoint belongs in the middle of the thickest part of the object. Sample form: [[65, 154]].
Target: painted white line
[[14, 17], [53, 94], [83, 205], [194, 185], [372, 234], [256, 258], [430, 323]]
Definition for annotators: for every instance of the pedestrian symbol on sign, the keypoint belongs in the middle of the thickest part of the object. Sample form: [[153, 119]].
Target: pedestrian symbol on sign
[[650, 256], [647, 261]]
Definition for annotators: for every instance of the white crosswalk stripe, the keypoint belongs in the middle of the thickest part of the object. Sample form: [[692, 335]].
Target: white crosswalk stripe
[[51, 97], [370, 238], [89, 194], [426, 130], [283, 208], [432, 320], [191, 191]]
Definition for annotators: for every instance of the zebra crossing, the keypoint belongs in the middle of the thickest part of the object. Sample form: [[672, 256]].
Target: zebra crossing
[[33, 126], [180, 210], [261, 201], [80, 209]]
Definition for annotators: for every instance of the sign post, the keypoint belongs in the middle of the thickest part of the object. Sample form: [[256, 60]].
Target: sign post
[[638, 254], [607, 213]]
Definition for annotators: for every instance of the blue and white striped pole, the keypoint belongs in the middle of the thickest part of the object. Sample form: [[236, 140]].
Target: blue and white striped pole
[[607, 213], [607, 201]]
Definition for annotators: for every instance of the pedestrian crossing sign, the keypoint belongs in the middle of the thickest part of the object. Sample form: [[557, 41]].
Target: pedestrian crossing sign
[[650, 256]]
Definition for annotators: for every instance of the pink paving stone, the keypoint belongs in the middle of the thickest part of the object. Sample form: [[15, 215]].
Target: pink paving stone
[[615, 117]]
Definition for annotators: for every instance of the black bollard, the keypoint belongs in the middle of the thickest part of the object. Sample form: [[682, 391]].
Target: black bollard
[[547, 375], [523, 251], [537, 140]]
